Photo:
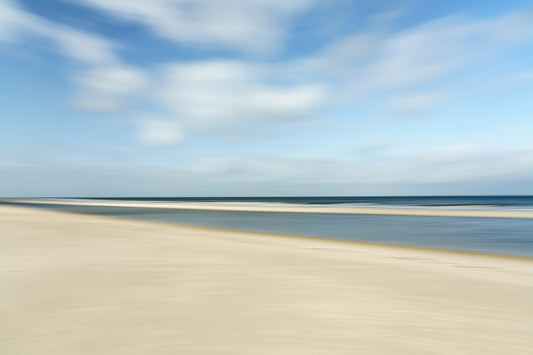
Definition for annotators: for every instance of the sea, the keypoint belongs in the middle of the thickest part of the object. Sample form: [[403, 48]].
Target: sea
[[485, 235], [357, 201]]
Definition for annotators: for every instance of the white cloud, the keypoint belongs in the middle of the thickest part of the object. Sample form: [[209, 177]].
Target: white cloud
[[104, 80], [414, 57], [415, 104], [11, 19], [81, 46], [429, 51], [207, 95], [211, 94], [342, 60], [16, 24], [106, 87], [465, 164], [425, 57], [426, 53], [257, 26], [449, 169], [160, 132]]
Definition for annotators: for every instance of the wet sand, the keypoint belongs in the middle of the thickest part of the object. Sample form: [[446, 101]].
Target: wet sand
[[78, 284]]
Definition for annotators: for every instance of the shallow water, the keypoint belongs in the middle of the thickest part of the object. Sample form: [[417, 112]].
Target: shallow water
[[487, 235]]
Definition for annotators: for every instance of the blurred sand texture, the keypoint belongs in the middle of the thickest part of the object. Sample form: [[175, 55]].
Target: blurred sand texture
[[79, 284]]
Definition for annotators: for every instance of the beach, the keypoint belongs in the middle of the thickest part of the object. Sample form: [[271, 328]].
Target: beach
[[79, 284]]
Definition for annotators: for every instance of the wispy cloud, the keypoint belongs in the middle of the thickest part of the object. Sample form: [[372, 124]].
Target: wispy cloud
[[429, 51], [104, 87], [211, 94], [415, 104], [447, 169], [159, 132], [17, 24], [104, 80], [200, 96], [257, 27], [517, 79], [381, 61]]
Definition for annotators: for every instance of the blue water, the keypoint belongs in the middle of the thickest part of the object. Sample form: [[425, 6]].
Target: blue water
[[422, 201], [486, 235]]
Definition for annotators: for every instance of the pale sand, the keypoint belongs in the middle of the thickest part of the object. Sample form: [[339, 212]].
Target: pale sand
[[436, 212], [77, 284]]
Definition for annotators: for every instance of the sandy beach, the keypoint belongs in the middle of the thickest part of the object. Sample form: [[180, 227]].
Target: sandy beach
[[79, 284]]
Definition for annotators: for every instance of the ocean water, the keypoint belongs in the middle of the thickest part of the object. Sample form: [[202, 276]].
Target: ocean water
[[498, 202], [486, 235]]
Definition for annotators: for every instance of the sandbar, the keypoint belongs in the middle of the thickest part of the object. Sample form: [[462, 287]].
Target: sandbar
[[471, 212]]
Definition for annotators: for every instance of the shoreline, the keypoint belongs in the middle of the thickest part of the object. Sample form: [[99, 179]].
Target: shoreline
[[513, 253], [95, 284], [422, 212], [284, 236]]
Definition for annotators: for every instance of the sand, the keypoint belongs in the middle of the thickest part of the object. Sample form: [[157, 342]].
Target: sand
[[251, 207], [78, 284]]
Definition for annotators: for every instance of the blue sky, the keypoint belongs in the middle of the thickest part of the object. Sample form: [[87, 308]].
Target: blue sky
[[265, 97]]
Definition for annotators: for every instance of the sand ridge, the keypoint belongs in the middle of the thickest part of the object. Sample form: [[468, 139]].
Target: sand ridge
[[250, 207]]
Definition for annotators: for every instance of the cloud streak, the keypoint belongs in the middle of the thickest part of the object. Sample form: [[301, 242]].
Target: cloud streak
[[447, 169], [256, 27], [104, 87], [193, 97], [105, 81], [416, 104], [212, 94]]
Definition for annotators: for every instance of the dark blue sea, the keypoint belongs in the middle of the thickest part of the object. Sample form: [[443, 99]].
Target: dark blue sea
[[485, 235], [421, 201]]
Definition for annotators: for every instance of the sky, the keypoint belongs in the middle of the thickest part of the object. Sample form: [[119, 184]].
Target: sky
[[265, 97]]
